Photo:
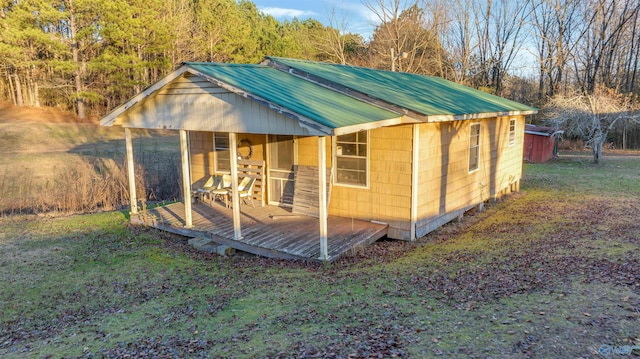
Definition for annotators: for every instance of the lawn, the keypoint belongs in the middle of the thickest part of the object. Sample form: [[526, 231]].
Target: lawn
[[552, 271]]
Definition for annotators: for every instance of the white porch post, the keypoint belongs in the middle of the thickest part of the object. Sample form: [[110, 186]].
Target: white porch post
[[131, 171], [235, 200], [186, 180], [322, 196], [414, 181]]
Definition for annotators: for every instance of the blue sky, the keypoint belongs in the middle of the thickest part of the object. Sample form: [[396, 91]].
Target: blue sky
[[357, 18]]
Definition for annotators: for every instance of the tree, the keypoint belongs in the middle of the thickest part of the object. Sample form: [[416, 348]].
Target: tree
[[460, 40], [499, 27], [556, 32], [598, 57], [591, 116], [405, 29]]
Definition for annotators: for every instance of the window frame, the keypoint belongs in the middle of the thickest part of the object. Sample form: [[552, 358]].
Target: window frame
[[512, 139], [367, 158], [474, 148], [216, 154]]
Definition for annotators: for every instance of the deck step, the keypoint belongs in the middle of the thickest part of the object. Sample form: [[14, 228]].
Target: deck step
[[207, 245]]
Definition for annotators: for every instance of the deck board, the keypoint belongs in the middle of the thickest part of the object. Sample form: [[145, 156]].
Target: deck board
[[282, 236]]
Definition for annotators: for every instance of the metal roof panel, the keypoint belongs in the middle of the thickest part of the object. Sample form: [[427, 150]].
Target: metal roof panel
[[427, 95], [327, 107]]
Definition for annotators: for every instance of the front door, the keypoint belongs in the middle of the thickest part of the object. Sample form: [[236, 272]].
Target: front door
[[281, 163]]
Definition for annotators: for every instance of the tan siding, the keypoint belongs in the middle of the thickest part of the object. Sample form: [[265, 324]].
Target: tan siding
[[308, 151], [388, 198], [257, 144], [202, 107], [201, 153], [202, 156], [444, 195]]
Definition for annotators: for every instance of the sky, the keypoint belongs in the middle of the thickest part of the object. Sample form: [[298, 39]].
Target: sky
[[355, 15]]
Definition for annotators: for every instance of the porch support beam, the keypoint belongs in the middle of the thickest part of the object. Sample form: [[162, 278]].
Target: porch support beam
[[414, 181], [131, 171], [235, 200], [186, 179], [322, 196]]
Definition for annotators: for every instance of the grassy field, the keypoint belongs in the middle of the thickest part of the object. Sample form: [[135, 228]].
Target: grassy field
[[52, 162], [552, 271]]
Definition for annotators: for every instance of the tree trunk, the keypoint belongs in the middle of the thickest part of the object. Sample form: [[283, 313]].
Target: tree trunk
[[75, 52], [597, 151], [36, 91], [11, 90], [19, 100]]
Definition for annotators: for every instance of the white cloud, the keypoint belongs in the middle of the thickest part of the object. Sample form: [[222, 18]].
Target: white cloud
[[280, 13]]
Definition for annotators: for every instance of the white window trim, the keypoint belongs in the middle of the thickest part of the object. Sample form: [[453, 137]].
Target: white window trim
[[215, 156], [334, 161], [469, 147], [515, 133]]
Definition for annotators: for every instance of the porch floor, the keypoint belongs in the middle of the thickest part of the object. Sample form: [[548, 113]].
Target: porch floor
[[268, 231]]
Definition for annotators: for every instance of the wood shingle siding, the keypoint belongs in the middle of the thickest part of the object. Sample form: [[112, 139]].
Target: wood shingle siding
[[446, 188], [388, 197]]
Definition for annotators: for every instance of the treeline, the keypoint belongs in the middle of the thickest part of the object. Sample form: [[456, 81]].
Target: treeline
[[91, 55]]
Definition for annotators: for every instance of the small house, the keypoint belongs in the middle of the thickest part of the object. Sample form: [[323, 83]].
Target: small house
[[540, 143], [340, 155]]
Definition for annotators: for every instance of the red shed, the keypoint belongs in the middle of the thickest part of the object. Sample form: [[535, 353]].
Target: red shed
[[540, 143]]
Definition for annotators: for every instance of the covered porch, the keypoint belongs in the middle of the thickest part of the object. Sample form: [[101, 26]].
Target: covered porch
[[268, 231], [229, 114]]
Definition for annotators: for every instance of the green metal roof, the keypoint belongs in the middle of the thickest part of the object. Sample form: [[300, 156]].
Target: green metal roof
[[324, 106], [427, 95]]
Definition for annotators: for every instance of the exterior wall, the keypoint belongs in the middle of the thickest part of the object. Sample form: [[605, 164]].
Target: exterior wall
[[202, 156], [201, 153], [308, 151], [446, 186], [538, 148], [388, 197]]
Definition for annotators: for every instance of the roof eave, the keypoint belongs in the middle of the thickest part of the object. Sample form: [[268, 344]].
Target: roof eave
[[478, 116], [375, 124]]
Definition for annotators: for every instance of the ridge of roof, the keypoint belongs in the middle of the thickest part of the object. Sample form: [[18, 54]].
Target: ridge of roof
[[419, 95]]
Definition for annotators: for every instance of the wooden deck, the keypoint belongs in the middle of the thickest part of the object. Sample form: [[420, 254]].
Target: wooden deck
[[268, 231]]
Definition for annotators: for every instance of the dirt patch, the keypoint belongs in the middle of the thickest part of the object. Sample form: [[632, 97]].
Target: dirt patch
[[10, 113]]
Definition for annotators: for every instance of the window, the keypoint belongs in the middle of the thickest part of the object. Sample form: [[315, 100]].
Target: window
[[351, 158], [474, 147], [512, 132], [221, 151]]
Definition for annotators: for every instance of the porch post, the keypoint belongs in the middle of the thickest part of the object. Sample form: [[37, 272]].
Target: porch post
[[186, 180], [415, 158], [235, 200], [131, 171], [322, 196]]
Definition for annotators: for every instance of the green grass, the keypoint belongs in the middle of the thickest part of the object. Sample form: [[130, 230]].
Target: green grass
[[548, 272]]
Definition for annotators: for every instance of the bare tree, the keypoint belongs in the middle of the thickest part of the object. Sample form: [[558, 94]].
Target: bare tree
[[499, 28], [556, 32], [460, 39], [591, 116], [607, 21], [335, 42]]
